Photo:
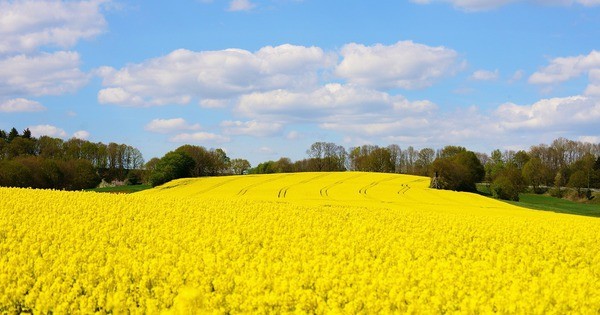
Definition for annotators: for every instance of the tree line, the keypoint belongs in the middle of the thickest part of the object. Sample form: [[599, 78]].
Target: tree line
[[563, 163], [48, 162], [192, 161]]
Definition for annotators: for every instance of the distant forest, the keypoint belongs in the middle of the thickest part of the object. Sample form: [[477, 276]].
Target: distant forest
[[542, 168], [74, 164]]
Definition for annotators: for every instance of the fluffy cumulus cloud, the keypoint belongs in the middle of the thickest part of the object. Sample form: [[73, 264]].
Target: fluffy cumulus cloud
[[42, 74], [550, 114], [251, 128], [170, 125], [27, 25], [566, 68], [483, 5], [485, 75], [20, 105], [406, 65], [199, 137], [434, 128], [575, 117], [27, 28], [214, 75], [47, 130], [332, 101]]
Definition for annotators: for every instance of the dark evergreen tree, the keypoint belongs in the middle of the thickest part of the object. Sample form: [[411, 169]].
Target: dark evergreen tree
[[12, 134], [27, 133]]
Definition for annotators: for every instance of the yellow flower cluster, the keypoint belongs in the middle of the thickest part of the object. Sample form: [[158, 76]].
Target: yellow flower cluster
[[292, 243]]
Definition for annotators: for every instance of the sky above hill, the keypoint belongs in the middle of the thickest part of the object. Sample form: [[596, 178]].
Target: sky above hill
[[264, 79]]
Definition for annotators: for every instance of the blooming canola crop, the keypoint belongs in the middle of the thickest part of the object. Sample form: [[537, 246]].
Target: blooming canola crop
[[346, 242]]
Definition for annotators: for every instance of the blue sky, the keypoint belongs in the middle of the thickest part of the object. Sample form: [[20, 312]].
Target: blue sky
[[265, 79]]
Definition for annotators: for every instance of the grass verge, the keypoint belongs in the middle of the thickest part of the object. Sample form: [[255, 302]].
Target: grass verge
[[548, 203], [121, 189]]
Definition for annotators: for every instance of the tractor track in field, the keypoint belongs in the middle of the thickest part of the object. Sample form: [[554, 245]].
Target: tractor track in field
[[244, 190], [406, 186], [364, 190], [225, 182], [283, 191], [325, 190], [404, 189]]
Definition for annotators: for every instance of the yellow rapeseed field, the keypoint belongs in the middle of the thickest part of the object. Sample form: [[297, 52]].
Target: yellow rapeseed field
[[292, 243]]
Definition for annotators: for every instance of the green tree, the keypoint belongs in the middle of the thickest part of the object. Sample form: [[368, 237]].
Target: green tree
[[284, 165], [49, 147], [173, 165], [220, 162], [558, 183], [20, 146], [81, 175], [424, 161], [494, 166], [448, 174], [450, 151], [520, 159], [534, 174], [596, 174], [239, 166], [202, 160], [12, 134], [268, 167], [15, 174], [578, 180], [458, 169], [27, 133], [508, 184]]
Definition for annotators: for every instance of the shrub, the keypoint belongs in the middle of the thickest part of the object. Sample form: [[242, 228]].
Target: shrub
[[508, 184]]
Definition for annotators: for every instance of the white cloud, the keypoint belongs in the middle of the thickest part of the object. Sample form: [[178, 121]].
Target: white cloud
[[81, 134], [21, 105], [483, 5], [590, 139], [251, 128], [119, 96], [485, 75], [213, 103], [27, 25], [183, 74], [404, 65], [199, 137], [593, 88], [570, 116], [170, 125], [47, 130], [566, 68], [549, 113], [241, 5], [328, 102], [43, 74]]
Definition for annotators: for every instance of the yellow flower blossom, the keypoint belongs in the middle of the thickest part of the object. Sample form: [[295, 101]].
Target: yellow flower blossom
[[300, 243]]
